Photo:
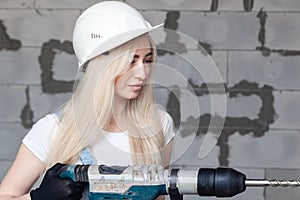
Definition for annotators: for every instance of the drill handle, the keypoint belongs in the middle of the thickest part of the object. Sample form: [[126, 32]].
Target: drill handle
[[78, 173]]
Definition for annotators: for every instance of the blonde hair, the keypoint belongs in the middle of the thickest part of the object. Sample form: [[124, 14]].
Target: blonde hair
[[87, 113]]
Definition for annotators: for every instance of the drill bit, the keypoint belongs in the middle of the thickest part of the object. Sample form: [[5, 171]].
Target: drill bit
[[273, 183]]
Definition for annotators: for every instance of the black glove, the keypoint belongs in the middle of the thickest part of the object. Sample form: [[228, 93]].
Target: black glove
[[55, 188]]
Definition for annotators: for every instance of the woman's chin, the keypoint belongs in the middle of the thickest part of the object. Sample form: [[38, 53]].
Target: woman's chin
[[134, 95]]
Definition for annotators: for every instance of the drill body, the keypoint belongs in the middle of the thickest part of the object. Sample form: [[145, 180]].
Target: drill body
[[138, 182]]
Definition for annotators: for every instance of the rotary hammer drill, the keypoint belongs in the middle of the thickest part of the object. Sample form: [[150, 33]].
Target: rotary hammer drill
[[147, 182]]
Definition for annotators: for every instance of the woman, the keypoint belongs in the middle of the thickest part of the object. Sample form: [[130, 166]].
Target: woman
[[110, 119]]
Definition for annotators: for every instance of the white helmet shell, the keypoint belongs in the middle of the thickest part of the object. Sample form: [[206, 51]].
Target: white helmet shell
[[105, 26]]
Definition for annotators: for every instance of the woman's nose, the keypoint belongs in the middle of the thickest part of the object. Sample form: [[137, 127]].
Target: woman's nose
[[140, 71]]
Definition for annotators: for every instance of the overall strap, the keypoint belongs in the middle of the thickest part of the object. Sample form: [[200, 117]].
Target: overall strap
[[86, 157], [58, 113]]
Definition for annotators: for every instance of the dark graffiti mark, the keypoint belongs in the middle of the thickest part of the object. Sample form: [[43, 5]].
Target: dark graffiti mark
[[257, 127], [214, 5], [248, 5], [27, 113], [205, 48], [242, 125], [267, 51], [262, 15], [286, 52], [206, 88], [49, 85], [6, 42], [171, 43]]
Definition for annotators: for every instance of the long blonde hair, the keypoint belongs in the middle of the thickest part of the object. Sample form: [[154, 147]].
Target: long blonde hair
[[86, 114]]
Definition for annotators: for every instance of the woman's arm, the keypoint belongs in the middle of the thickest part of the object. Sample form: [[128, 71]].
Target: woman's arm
[[23, 173], [8, 197]]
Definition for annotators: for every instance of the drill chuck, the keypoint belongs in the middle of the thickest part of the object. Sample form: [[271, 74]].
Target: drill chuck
[[220, 182]]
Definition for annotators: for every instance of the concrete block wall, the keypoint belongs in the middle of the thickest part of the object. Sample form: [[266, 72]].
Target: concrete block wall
[[255, 45]]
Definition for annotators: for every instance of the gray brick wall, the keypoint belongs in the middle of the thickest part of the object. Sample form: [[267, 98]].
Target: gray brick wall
[[254, 44]]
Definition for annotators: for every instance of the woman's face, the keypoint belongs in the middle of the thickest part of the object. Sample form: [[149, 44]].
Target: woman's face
[[130, 83]]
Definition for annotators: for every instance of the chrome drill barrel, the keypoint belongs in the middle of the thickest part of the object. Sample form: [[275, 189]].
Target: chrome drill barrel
[[273, 183]]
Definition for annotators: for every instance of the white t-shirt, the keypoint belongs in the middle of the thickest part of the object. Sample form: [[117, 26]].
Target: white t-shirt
[[112, 149]]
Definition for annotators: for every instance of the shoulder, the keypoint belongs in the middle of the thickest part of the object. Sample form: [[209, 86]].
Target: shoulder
[[45, 124], [39, 138], [47, 121]]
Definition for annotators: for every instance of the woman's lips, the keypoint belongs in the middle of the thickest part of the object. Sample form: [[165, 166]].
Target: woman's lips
[[136, 87]]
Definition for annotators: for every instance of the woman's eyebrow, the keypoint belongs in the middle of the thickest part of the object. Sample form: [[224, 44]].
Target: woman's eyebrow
[[148, 54]]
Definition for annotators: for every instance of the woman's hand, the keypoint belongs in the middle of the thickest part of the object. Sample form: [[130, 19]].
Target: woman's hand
[[55, 188]]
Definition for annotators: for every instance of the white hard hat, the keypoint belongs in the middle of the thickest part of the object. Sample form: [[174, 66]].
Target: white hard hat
[[105, 26]]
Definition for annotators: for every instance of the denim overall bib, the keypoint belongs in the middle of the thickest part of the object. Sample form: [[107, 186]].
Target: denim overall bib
[[86, 157]]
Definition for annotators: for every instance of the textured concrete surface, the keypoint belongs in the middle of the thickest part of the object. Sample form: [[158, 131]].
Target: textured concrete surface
[[11, 134], [42, 102], [279, 72], [17, 4], [238, 56], [276, 149], [34, 27], [287, 110], [65, 4], [12, 100], [20, 67], [171, 5]]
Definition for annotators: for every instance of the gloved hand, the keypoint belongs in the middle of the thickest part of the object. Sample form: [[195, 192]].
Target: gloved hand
[[55, 188]]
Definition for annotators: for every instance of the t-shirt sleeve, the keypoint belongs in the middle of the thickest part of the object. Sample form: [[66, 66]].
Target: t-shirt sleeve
[[39, 138], [168, 128]]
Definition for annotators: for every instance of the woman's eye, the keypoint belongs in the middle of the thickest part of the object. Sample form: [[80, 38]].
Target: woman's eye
[[146, 60], [149, 61]]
